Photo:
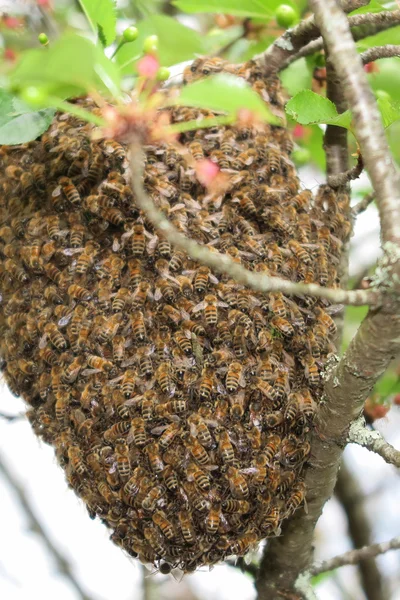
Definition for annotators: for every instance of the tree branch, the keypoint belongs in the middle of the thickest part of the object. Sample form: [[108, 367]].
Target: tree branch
[[374, 441], [363, 204], [350, 495], [336, 181], [304, 586], [371, 137], [353, 557], [63, 564], [222, 263], [350, 5], [368, 24], [378, 52]]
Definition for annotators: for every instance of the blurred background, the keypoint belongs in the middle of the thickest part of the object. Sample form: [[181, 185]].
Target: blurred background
[[48, 546]]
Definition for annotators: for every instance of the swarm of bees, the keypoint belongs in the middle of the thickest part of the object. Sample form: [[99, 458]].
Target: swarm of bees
[[179, 403]]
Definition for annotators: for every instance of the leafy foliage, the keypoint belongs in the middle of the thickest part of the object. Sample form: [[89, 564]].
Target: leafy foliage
[[225, 93], [176, 43], [307, 107], [102, 17], [250, 8], [71, 67], [18, 124]]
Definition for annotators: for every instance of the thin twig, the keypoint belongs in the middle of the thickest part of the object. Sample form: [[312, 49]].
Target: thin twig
[[335, 181], [373, 440], [369, 24], [353, 557], [63, 564], [363, 204], [350, 496], [368, 126], [350, 5], [378, 52], [222, 263]]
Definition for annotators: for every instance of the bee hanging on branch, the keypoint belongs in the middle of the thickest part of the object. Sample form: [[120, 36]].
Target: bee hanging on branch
[[170, 393]]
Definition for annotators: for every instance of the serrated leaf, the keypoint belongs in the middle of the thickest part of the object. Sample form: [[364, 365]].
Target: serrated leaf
[[249, 8], [297, 77], [70, 67], [307, 108], [225, 93], [18, 124], [101, 14], [176, 43], [390, 111]]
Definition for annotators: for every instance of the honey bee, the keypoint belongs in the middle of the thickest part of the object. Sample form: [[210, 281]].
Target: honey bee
[[311, 370], [297, 497], [213, 519], [325, 320], [116, 431], [225, 447], [199, 429], [15, 271], [168, 435], [98, 362], [201, 479], [76, 460], [109, 328], [72, 371], [163, 377], [265, 388], [282, 385], [195, 448], [234, 377], [239, 342], [270, 520], [128, 383], [246, 204], [283, 326], [118, 403], [265, 370], [118, 345], [186, 525], [220, 158], [70, 191], [152, 498], [138, 432], [78, 292], [273, 160], [140, 295], [196, 150], [299, 252], [196, 499], [274, 419], [171, 314], [176, 261], [194, 327], [153, 454], [160, 519], [277, 305], [55, 337], [138, 326], [115, 149], [123, 461], [237, 483], [131, 487]]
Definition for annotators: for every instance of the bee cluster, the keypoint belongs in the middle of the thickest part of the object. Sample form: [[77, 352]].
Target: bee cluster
[[179, 403]]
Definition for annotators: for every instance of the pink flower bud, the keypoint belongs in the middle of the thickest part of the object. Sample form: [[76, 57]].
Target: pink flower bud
[[148, 66], [206, 172]]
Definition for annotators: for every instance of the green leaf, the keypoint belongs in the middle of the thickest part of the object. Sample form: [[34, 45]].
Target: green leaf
[[390, 111], [387, 78], [297, 77], [70, 67], [307, 107], [248, 8], [390, 36], [225, 93], [18, 124], [102, 17], [176, 43]]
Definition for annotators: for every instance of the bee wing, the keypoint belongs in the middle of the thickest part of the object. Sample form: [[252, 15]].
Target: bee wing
[[157, 294], [334, 309], [199, 306], [43, 341], [88, 372], [56, 192], [222, 304], [213, 279]]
